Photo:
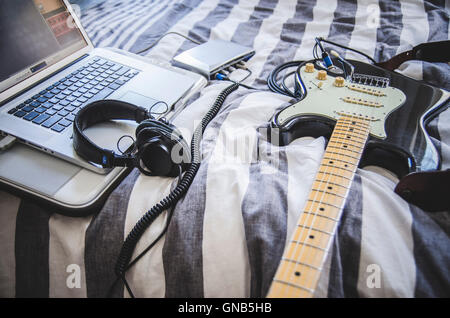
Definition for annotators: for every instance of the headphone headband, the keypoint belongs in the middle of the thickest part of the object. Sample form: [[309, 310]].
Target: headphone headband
[[100, 111]]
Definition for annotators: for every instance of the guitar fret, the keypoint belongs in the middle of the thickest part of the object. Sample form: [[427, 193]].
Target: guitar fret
[[349, 125], [351, 128], [340, 160], [310, 245], [340, 154], [301, 263], [322, 215], [332, 183], [335, 167], [346, 145], [352, 135], [354, 151], [315, 229], [347, 141], [335, 175], [354, 122], [330, 193], [294, 285], [326, 203]]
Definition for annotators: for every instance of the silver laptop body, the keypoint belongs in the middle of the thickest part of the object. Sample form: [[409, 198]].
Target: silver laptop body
[[29, 86]]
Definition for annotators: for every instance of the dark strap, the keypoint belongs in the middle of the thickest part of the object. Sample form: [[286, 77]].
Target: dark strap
[[427, 190], [429, 52]]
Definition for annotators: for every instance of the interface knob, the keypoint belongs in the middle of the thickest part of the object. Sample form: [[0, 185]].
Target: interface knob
[[322, 75], [309, 68], [339, 81]]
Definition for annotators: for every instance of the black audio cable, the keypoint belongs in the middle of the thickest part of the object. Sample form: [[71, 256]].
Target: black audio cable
[[123, 261], [278, 84]]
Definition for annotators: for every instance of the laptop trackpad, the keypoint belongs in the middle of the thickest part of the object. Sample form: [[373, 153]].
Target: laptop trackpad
[[145, 101]]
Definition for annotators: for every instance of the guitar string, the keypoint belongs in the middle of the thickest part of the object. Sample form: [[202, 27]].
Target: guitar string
[[359, 134], [307, 220], [351, 129], [355, 167], [286, 273], [323, 194]]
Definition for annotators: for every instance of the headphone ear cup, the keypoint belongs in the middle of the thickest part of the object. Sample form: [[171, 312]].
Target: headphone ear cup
[[155, 141]]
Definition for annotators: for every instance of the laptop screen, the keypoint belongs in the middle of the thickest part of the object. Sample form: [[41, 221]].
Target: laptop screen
[[34, 34]]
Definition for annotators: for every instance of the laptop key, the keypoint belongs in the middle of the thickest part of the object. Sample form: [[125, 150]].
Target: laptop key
[[64, 122], [58, 128], [35, 104], [63, 113], [51, 121], [31, 116], [122, 71], [27, 109], [114, 86], [41, 118], [40, 110], [102, 94], [12, 110], [20, 113], [50, 112], [70, 117], [41, 99], [82, 99]]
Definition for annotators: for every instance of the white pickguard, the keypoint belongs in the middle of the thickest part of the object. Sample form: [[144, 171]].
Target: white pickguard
[[328, 100]]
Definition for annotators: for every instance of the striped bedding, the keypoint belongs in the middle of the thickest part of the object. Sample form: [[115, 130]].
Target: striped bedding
[[228, 233]]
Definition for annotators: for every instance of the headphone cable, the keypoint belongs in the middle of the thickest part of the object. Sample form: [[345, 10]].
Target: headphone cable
[[123, 262]]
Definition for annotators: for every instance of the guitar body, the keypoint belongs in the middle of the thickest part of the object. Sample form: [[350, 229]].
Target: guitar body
[[376, 118], [403, 148]]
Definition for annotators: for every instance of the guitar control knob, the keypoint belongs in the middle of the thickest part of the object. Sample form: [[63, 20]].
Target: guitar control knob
[[322, 75], [339, 81], [309, 68]]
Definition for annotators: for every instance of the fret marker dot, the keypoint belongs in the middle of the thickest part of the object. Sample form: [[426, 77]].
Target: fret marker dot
[[297, 274], [331, 161], [330, 188], [322, 209], [311, 237]]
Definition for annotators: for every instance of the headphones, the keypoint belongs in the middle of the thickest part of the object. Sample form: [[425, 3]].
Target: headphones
[[159, 149]]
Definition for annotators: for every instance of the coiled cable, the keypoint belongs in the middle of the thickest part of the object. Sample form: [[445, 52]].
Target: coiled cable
[[123, 261]]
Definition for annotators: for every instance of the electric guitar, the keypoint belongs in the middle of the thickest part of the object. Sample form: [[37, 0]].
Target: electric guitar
[[375, 119]]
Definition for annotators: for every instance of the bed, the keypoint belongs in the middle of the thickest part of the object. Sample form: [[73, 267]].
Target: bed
[[227, 235]]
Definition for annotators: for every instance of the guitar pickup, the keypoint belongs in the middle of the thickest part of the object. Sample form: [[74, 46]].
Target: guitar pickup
[[360, 101], [366, 90]]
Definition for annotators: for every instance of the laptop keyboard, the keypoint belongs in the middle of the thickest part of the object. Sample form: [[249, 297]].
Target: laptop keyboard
[[56, 106]]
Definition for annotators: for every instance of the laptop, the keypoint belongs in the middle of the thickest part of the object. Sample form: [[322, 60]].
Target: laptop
[[49, 70]]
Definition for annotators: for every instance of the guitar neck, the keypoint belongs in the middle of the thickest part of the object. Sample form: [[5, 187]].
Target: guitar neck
[[305, 253]]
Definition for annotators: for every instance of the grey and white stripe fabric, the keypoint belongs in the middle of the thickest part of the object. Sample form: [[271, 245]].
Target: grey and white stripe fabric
[[228, 233]]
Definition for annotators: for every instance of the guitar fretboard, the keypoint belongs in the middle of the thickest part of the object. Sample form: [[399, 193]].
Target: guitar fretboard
[[304, 256]]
